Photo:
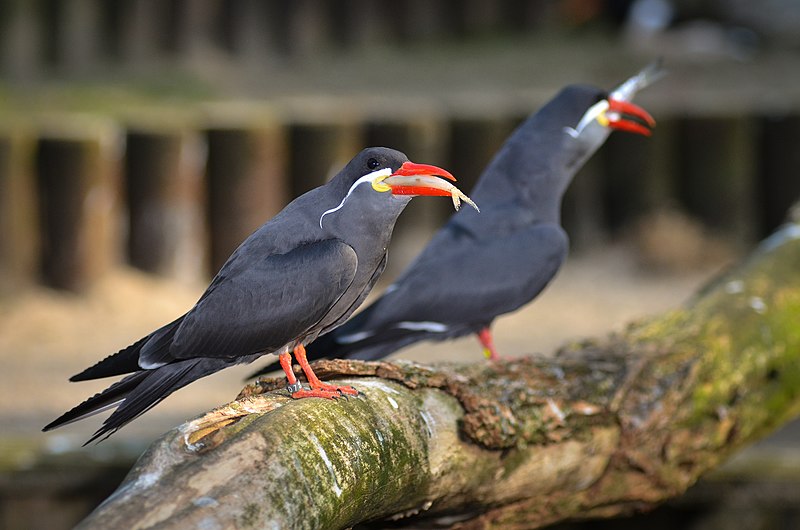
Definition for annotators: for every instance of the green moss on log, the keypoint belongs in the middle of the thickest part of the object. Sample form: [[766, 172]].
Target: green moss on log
[[605, 427]]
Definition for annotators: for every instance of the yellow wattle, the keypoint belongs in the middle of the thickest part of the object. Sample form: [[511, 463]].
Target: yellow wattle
[[379, 185]]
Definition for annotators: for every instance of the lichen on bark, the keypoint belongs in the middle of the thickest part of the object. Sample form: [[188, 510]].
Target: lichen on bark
[[604, 427]]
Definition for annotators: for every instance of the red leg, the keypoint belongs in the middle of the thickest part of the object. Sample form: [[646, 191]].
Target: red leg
[[485, 336], [295, 388], [316, 385], [286, 363]]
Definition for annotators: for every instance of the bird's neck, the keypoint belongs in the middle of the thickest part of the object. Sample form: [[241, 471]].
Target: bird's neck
[[367, 227], [517, 176], [535, 167]]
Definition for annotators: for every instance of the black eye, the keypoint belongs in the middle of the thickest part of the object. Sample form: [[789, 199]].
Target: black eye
[[373, 163]]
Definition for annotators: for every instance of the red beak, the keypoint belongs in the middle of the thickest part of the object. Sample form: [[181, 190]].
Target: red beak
[[409, 169], [626, 116], [420, 179]]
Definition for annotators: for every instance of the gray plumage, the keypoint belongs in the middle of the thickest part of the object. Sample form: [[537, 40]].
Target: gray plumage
[[297, 276], [480, 266]]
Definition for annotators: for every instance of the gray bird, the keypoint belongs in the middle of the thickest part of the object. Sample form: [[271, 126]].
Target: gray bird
[[299, 275], [500, 260]]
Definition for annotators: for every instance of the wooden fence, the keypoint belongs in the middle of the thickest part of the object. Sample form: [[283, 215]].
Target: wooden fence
[[38, 37], [78, 196]]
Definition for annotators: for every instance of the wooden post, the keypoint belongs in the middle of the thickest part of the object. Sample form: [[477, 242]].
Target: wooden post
[[72, 33], [421, 137], [528, 16], [583, 213], [474, 140], [18, 237], [301, 26], [20, 40], [360, 23], [246, 181], [191, 28], [165, 216], [420, 19], [320, 147], [717, 167], [246, 32], [478, 17], [131, 29], [638, 174], [78, 206], [779, 168]]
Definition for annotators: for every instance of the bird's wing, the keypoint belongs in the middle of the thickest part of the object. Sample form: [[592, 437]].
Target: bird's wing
[[470, 282], [262, 306]]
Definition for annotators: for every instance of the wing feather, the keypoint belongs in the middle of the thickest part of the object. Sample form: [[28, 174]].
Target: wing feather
[[474, 280], [265, 305]]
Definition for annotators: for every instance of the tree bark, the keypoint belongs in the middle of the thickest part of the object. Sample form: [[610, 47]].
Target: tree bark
[[604, 427]]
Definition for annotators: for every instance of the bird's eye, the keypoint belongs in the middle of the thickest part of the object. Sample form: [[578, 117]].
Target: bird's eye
[[373, 163]]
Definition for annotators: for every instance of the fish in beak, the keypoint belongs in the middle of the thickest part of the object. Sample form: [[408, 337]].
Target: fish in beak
[[623, 115], [424, 179]]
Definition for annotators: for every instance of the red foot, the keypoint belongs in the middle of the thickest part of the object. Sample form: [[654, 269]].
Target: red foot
[[327, 394], [314, 382], [335, 388], [485, 338]]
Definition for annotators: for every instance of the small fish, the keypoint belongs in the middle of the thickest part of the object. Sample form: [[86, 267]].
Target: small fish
[[411, 185]]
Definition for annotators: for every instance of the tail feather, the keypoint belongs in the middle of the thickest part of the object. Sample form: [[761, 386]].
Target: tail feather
[[137, 393], [101, 401], [151, 390], [126, 360]]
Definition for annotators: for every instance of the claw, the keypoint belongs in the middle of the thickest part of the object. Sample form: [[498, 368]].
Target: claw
[[320, 393], [318, 388], [344, 390]]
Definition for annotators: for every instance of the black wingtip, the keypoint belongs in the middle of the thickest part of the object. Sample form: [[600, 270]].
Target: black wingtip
[[71, 415], [108, 398], [100, 435], [123, 362]]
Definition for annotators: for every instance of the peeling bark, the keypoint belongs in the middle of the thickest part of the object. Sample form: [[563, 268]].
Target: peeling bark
[[605, 427]]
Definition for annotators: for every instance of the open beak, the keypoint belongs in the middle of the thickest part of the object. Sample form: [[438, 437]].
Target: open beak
[[626, 116], [420, 179]]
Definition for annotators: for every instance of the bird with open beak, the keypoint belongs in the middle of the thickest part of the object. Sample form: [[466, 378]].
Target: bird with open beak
[[500, 260], [300, 275]]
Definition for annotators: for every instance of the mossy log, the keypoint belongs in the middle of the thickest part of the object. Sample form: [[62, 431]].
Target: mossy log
[[604, 427]]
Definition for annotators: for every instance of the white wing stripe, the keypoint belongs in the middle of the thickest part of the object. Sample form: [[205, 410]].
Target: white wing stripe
[[354, 337], [434, 327]]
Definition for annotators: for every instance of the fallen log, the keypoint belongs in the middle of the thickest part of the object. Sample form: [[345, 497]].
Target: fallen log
[[604, 427]]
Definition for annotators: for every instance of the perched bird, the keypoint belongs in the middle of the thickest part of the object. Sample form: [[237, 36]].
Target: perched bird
[[500, 260], [299, 275]]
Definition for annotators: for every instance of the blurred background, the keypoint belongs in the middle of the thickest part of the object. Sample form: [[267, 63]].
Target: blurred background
[[142, 140]]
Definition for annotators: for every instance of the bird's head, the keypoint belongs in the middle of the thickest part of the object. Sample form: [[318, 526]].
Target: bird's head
[[613, 114], [382, 178], [601, 112], [590, 114]]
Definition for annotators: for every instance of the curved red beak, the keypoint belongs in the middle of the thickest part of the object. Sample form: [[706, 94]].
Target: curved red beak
[[420, 179], [626, 116]]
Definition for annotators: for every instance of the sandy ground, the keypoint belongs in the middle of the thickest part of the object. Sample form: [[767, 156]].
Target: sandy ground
[[46, 336]]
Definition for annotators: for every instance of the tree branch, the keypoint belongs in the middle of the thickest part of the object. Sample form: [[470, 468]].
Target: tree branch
[[605, 427]]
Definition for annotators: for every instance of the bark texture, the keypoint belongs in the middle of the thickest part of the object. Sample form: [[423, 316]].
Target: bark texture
[[605, 427]]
